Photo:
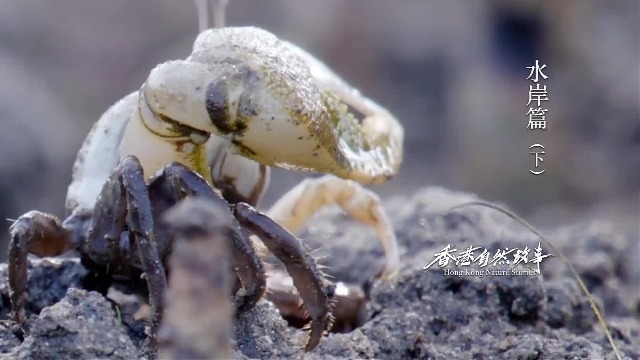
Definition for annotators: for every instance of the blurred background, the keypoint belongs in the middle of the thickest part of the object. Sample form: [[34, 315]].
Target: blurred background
[[453, 72]]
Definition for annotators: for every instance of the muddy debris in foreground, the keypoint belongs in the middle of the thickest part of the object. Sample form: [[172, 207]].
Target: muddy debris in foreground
[[421, 314]]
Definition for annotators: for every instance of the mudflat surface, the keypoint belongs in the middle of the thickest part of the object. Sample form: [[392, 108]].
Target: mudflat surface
[[420, 314]]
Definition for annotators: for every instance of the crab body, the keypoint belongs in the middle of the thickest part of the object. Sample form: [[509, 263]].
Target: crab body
[[210, 126]]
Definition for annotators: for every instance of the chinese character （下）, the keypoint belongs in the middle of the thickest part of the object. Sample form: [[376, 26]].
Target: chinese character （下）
[[538, 156]]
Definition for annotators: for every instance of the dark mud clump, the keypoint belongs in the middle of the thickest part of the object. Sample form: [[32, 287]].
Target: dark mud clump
[[421, 314]]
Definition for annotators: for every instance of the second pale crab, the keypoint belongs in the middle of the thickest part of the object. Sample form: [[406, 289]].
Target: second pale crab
[[211, 125]]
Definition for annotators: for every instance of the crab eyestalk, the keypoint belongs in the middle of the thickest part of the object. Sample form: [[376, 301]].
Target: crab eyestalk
[[218, 8]]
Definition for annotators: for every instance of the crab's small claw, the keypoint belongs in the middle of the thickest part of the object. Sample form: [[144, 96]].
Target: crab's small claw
[[303, 201]]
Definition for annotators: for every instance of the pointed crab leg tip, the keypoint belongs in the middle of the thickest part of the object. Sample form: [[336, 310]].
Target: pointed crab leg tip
[[317, 330], [388, 272], [388, 276]]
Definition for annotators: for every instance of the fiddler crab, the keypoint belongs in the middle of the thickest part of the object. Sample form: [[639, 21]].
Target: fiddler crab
[[210, 126]]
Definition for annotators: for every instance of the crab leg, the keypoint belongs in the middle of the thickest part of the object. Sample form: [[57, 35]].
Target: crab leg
[[301, 266], [35, 233], [199, 327], [177, 181], [304, 200], [128, 181]]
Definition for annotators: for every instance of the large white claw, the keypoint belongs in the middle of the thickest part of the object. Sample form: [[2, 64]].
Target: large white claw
[[292, 111]]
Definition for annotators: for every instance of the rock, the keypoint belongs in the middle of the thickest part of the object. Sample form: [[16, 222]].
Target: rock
[[81, 326]]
